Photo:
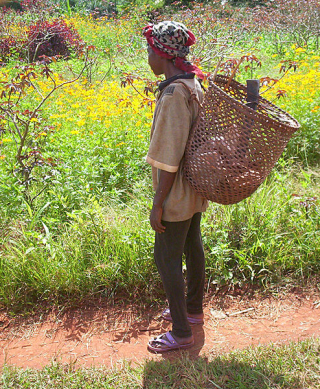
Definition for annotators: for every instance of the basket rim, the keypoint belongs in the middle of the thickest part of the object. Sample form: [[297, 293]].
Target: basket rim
[[295, 124]]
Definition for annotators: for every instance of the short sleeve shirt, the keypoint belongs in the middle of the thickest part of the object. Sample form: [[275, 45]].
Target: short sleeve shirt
[[176, 110]]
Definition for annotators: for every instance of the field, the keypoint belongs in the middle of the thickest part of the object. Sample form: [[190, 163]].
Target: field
[[75, 192]]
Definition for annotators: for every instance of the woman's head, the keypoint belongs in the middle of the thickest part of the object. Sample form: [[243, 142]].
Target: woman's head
[[171, 40]]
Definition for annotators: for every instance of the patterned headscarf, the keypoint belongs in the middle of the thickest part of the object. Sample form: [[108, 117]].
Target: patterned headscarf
[[172, 40]]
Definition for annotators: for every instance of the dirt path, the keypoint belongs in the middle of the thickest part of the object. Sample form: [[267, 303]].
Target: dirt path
[[104, 336]]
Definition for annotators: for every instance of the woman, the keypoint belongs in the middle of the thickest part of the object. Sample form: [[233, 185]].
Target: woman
[[177, 208]]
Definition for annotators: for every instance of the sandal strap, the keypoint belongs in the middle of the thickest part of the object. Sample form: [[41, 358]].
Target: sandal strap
[[167, 342], [170, 338]]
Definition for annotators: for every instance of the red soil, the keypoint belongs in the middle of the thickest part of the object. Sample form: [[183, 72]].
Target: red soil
[[102, 335]]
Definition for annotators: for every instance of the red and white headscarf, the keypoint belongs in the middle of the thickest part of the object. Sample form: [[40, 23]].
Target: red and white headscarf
[[172, 40]]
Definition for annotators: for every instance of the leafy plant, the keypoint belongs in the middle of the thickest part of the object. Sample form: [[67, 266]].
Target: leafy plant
[[26, 125], [51, 38]]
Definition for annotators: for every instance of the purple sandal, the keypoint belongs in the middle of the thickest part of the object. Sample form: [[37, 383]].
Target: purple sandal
[[166, 342], [166, 315]]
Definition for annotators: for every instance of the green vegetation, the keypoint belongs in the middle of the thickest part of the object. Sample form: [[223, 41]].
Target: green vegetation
[[75, 192]]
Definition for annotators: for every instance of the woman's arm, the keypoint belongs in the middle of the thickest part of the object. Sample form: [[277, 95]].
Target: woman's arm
[[166, 180]]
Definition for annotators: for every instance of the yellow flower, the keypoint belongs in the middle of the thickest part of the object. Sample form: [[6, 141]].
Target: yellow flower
[[2, 156], [74, 132], [81, 122]]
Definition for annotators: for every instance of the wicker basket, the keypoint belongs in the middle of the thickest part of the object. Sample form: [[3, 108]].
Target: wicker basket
[[232, 148]]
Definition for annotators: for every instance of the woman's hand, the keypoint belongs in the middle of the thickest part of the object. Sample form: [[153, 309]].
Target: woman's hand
[[166, 180], [155, 219]]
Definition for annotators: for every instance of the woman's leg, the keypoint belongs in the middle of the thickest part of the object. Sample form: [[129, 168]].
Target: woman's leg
[[168, 251], [195, 261]]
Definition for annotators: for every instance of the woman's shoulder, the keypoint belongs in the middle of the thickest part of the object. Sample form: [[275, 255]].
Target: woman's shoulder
[[188, 88]]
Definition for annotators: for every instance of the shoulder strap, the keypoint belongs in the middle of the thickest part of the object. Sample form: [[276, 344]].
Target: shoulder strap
[[192, 94]]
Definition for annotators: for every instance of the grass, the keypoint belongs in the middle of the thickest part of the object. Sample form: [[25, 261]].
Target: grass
[[291, 366], [105, 248]]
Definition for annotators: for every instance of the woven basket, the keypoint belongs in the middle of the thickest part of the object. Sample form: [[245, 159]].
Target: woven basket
[[232, 148]]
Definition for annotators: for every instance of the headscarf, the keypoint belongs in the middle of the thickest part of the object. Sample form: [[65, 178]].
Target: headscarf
[[171, 40]]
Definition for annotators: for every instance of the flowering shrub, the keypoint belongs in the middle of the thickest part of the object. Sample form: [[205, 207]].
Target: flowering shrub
[[51, 39]]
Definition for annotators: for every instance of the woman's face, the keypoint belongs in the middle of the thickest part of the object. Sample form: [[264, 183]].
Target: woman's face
[[155, 62]]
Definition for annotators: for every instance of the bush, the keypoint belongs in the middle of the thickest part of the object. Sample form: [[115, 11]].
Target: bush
[[15, 5], [7, 47], [25, 5], [51, 39]]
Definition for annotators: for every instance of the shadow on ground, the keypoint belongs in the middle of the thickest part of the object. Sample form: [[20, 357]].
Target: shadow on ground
[[226, 372]]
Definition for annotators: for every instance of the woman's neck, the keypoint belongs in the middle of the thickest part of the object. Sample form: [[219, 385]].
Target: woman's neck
[[171, 70]]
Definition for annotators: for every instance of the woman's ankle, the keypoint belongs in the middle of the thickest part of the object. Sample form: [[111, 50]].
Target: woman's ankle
[[184, 340]]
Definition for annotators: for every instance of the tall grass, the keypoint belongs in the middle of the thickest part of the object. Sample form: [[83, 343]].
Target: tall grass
[[265, 237], [105, 248]]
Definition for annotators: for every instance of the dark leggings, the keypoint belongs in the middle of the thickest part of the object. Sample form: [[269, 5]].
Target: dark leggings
[[178, 238]]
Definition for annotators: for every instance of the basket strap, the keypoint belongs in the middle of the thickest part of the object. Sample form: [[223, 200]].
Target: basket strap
[[192, 96]]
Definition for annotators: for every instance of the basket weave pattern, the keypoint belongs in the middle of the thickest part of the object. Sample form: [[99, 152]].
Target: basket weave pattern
[[232, 148]]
